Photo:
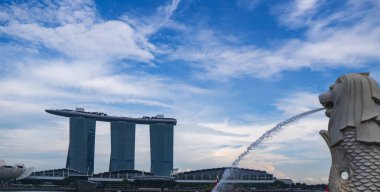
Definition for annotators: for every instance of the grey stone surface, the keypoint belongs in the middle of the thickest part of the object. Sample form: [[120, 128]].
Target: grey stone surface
[[353, 135]]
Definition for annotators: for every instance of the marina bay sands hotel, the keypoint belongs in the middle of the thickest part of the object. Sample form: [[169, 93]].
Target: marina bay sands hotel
[[82, 140]]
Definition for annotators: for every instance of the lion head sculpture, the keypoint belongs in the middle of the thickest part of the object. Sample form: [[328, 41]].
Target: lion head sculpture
[[353, 101]]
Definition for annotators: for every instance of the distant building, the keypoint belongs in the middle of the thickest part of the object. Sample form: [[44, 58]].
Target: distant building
[[161, 148], [239, 180], [121, 174], [199, 180], [122, 145], [55, 174], [82, 145], [82, 140], [238, 175], [16, 171], [286, 181]]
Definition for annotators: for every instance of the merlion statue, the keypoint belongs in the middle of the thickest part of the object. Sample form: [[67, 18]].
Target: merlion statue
[[353, 135]]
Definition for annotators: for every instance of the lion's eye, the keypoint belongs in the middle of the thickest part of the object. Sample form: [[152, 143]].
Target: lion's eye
[[331, 87]]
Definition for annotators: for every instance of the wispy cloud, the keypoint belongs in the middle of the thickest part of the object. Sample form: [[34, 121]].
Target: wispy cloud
[[298, 13], [162, 18], [298, 102], [346, 38], [199, 129]]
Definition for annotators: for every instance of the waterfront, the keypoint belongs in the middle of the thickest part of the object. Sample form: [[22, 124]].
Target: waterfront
[[177, 188]]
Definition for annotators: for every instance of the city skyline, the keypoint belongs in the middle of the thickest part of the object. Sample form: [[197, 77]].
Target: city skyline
[[226, 70]]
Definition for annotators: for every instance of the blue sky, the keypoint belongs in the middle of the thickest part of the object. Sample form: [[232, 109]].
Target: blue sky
[[227, 70]]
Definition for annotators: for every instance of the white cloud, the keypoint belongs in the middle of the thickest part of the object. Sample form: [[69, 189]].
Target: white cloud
[[92, 83], [162, 18], [303, 6], [28, 147], [51, 13], [75, 32], [96, 42], [298, 13], [298, 102], [348, 38]]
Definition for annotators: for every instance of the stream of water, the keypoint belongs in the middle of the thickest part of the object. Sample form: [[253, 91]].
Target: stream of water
[[227, 172]]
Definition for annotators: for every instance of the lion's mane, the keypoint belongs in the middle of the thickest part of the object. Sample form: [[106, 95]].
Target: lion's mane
[[356, 104]]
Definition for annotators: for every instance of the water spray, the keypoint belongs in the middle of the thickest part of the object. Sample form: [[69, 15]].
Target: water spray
[[227, 172]]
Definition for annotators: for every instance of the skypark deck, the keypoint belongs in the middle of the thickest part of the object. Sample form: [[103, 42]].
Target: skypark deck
[[104, 117]]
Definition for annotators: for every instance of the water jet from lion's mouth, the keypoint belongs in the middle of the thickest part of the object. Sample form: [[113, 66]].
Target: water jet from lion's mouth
[[255, 144]]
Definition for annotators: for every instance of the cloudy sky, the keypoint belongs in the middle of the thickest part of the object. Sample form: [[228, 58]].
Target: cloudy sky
[[227, 70]]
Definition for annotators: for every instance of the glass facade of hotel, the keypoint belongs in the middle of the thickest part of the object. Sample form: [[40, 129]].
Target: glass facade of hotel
[[161, 149], [122, 146], [82, 145]]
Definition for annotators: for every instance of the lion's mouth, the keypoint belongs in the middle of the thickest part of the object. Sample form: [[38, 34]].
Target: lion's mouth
[[327, 102], [329, 108]]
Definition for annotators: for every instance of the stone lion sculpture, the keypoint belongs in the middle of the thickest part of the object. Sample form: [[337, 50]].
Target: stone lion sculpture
[[353, 135]]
